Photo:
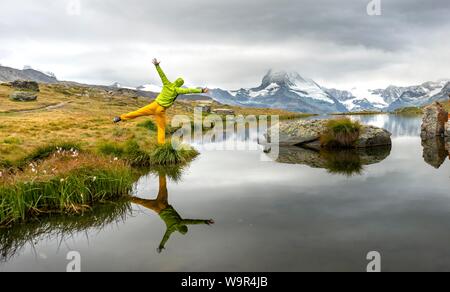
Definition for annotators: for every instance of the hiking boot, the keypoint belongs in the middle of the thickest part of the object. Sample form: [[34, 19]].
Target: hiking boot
[[117, 120]]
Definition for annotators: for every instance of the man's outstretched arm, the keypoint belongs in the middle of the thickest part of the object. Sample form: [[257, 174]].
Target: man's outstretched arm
[[195, 221], [191, 90], [163, 76]]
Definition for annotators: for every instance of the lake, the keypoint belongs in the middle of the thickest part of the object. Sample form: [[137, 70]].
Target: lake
[[294, 214]]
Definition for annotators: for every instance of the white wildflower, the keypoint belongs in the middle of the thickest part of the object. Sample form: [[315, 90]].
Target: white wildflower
[[94, 178], [61, 180], [115, 158]]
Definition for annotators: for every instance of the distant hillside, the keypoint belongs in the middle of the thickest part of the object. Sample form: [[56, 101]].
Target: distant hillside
[[10, 74]]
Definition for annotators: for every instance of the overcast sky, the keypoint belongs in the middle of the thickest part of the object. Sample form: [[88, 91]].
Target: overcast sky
[[229, 43]]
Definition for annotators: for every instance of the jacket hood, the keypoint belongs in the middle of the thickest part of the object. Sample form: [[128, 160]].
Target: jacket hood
[[179, 82], [183, 229]]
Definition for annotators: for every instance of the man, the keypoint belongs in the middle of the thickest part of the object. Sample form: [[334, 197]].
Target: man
[[165, 100], [174, 222]]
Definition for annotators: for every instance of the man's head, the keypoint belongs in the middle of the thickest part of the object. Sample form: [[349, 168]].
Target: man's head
[[179, 82], [183, 229]]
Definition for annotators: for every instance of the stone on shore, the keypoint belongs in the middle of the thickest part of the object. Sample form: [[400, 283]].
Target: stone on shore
[[25, 85], [23, 96]]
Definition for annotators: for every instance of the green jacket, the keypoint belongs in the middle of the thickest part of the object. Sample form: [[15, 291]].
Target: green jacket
[[171, 90], [174, 222]]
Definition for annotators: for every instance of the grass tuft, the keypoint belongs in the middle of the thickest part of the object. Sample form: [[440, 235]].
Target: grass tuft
[[167, 155], [341, 133]]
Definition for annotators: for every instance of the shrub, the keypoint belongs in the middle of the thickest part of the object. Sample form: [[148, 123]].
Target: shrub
[[341, 133]]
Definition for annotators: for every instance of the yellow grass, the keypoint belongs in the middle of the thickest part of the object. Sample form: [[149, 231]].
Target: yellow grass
[[84, 117]]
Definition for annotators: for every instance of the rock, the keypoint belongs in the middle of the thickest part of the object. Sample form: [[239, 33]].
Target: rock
[[434, 120], [348, 162], [300, 132], [25, 85], [435, 151], [372, 136], [206, 109], [223, 112], [23, 96], [307, 133]]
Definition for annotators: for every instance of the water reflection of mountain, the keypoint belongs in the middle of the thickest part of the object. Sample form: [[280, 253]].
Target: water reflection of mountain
[[399, 126], [346, 162], [60, 228]]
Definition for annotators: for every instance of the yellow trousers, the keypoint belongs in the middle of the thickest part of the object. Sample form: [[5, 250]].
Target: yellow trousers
[[153, 109]]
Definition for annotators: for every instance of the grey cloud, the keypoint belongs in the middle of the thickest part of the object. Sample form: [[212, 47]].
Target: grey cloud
[[249, 36]]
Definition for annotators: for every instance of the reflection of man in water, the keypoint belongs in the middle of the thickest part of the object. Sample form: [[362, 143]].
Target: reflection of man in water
[[173, 220]]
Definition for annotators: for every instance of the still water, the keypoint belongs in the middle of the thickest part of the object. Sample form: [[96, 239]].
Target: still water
[[304, 212]]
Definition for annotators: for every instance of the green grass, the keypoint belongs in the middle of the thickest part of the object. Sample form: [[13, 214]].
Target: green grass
[[413, 111], [12, 140], [167, 155], [80, 189], [132, 152], [149, 125], [341, 133], [43, 152]]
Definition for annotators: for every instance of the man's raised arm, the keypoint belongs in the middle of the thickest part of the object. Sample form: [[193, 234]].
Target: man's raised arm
[[164, 79]]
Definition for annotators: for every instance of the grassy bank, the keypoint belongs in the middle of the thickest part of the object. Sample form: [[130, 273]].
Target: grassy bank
[[67, 181], [409, 111]]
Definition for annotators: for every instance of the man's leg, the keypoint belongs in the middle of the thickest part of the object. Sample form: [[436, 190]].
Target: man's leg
[[160, 117], [145, 111]]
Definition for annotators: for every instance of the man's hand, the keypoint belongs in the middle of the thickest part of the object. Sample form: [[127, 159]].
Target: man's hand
[[156, 62], [210, 222], [205, 90]]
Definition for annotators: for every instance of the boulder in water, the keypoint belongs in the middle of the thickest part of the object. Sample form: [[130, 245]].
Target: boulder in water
[[434, 121], [307, 133]]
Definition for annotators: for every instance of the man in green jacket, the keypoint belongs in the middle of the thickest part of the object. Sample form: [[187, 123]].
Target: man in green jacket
[[165, 100]]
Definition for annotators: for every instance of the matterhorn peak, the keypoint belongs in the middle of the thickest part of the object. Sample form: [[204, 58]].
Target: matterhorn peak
[[284, 78]]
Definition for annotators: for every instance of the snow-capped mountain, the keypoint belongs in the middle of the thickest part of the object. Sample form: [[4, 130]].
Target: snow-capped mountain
[[290, 91], [392, 97], [359, 99], [150, 87], [422, 94], [283, 90]]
